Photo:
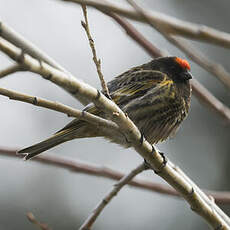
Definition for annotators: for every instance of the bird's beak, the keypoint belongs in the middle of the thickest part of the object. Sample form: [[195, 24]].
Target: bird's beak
[[187, 76]]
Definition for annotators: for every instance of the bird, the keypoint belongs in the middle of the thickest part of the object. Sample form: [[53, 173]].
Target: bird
[[155, 96]]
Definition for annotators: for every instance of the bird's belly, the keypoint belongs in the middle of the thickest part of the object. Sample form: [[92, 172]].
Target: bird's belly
[[160, 124]]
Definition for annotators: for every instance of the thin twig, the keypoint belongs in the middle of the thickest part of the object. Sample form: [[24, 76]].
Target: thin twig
[[59, 107], [203, 95], [33, 220], [138, 37], [208, 99], [28, 47], [97, 61], [77, 166], [10, 70], [173, 26], [110, 195]]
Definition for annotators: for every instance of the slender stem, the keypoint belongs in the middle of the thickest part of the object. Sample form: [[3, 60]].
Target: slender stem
[[110, 195], [10, 70], [97, 61], [173, 26], [59, 107], [138, 37], [208, 99], [28, 47], [77, 166], [33, 220]]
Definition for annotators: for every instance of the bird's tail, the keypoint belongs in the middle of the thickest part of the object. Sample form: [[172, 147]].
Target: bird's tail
[[56, 139]]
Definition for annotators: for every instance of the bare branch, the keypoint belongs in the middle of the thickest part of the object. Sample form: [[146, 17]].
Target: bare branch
[[97, 61], [59, 107], [210, 200], [77, 166], [87, 225], [60, 78], [10, 70], [168, 24], [138, 37], [207, 98], [28, 47], [33, 220]]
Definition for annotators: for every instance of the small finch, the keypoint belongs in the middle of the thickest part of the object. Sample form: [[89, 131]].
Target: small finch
[[156, 97]]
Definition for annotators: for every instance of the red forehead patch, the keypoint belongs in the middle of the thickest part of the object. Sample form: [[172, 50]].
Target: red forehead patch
[[183, 63]]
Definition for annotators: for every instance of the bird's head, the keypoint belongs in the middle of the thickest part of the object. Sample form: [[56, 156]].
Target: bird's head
[[176, 68]]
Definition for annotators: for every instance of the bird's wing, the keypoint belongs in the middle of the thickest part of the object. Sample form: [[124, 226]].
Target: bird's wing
[[137, 84]]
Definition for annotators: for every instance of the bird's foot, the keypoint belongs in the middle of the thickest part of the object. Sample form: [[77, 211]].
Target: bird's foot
[[142, 139], [158, 171], [164, 163]]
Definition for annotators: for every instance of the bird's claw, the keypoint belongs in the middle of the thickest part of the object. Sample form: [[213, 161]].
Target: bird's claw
[[142, 138], [164, 163]]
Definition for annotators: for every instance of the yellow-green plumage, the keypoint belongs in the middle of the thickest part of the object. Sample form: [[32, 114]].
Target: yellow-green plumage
[[156, 96]]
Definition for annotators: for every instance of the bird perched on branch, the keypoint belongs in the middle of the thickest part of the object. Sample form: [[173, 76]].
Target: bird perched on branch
[[155, 96]]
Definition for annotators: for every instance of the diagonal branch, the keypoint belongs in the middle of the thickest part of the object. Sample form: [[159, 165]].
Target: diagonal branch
[[208, 99], [77, 166], [28, 47], [59, 107], [110, 195], [10, 70], [171, 25], [138, 37]]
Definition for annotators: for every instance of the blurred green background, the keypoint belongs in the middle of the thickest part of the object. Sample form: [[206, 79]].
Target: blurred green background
[[63, 199]]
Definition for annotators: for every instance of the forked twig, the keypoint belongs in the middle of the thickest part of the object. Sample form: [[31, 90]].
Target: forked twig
[[85, 25], [110, 195], [59, 107], [77, 166]]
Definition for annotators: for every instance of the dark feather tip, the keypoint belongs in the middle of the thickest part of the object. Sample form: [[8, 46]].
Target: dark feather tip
[[20, 152], [26, 157]]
